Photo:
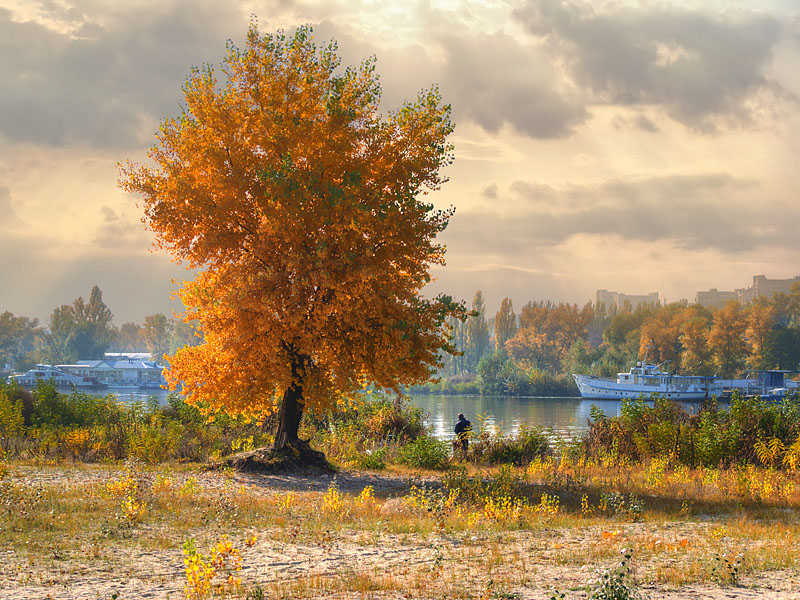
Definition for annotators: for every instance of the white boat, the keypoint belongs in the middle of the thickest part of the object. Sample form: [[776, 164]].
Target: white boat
[[57, 376], [648, 379]]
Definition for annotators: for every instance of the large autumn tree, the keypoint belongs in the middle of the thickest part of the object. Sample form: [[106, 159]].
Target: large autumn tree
[[300, 206]]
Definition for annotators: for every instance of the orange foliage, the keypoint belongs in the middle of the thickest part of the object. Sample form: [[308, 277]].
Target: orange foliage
[[696, 357], [676, 334], [547, 331], [298, 202], [760, 319], [727, 338], [536, 349]]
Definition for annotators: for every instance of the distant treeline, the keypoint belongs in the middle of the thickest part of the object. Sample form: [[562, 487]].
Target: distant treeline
[[536, 351], [85, 330]]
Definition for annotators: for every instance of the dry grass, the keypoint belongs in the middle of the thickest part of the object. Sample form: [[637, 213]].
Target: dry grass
[[70, 527]]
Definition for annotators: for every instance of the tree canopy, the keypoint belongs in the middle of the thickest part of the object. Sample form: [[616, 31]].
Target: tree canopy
[[79, 330], [17, 336], [301, 206], [505, 324]]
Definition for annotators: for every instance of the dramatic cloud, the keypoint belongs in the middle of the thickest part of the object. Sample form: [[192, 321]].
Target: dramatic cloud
[[701, 67], [107, 83], [701, 212], [105, 86], [582, 146], [495, 80]]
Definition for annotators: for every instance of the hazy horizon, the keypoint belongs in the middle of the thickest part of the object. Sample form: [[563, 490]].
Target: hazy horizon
[[637, 147]]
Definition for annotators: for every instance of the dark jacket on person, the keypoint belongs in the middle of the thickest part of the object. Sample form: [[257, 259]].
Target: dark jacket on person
[[462, 427]]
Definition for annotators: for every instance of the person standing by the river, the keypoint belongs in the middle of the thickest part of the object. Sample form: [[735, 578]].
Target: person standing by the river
[[463, 427]]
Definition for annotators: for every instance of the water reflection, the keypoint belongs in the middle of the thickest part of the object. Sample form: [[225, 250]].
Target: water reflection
[[129, 395], [566, 416]]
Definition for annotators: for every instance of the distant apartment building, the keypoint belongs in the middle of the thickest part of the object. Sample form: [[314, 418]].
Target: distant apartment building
[[764, 288], [620, 300], [761, 288], [715, 298]]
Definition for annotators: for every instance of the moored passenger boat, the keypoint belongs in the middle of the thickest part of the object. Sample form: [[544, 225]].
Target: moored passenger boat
[[648, 379]]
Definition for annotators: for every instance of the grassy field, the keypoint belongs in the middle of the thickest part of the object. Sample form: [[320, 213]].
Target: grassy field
[[104, 500], [93, 531]]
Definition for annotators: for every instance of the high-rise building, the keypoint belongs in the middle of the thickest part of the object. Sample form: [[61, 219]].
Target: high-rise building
[[761, 288], [764, 288]]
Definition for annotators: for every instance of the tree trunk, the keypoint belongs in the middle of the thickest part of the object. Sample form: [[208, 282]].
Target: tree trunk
[[289, 416], [291, 410]]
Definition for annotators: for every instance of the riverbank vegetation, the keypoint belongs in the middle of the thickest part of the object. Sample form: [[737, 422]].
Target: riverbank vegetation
[[516, 516], [84, 330], [45, 424], [540, 349], [535, 352]]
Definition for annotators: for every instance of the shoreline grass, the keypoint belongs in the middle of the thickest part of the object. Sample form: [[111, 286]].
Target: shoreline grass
[[519, 518]]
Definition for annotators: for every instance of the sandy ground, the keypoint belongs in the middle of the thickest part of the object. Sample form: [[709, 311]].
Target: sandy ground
[[159, 573]]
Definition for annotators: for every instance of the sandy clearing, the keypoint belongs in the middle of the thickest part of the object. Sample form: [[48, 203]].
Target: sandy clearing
[[159, 574]]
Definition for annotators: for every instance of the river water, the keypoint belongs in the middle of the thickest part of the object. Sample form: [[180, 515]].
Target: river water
[[565, 416]]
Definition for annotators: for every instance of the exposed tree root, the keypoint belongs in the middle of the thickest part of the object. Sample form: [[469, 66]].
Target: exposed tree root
[[295, 457]]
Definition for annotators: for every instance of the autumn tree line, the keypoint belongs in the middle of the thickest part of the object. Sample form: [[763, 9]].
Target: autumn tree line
[[533, 351], [537, 350], [83, 330]]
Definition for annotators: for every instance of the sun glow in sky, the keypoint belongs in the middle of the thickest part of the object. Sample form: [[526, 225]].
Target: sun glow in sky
[[634, 146]]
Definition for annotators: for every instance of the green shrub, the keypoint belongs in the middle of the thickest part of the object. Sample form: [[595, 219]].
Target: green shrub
[[365, 434], [377, 419], [499, 375], [520, 449], [711, 437], [425, 453], [542, 383], [490, 378], [46, 423], [395, 419], [372, 460], [11, 420]]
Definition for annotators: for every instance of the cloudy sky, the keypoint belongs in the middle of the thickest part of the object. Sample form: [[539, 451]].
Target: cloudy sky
[[634, 146]]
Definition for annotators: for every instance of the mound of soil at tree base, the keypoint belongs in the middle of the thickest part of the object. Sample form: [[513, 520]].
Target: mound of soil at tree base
[[297, 457]]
